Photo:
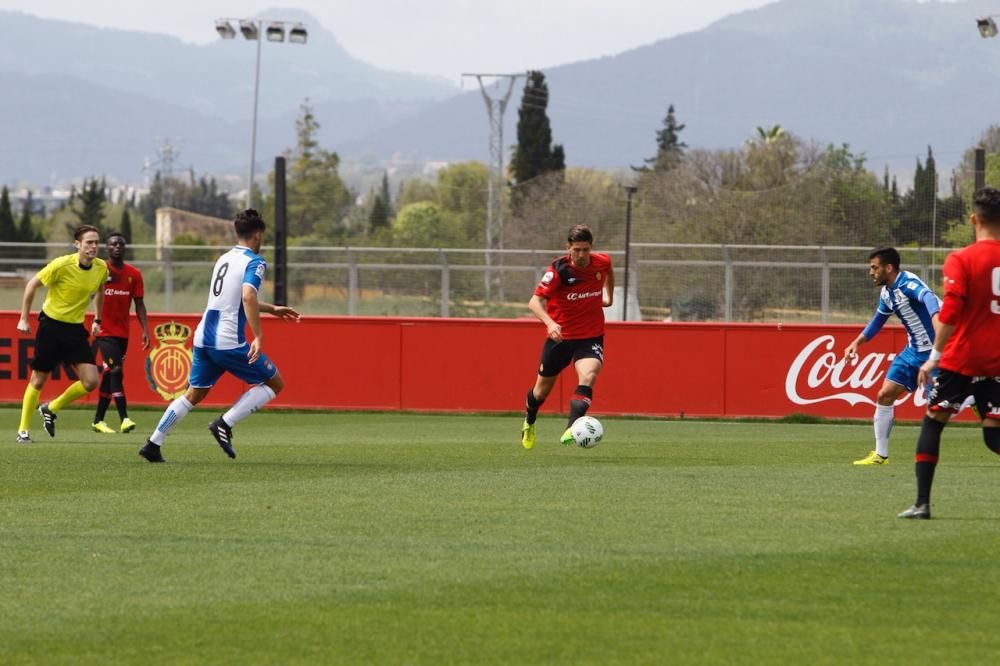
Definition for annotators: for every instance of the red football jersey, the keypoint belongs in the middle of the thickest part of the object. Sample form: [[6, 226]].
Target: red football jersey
[[972, 305], [575, 295], [122, 286]]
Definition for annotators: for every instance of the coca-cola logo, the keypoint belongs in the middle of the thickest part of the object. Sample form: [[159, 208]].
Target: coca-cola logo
[[819, 374]]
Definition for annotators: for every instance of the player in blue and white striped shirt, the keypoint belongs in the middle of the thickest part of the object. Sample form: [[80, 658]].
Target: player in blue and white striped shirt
[[905, 295], [220, 341]]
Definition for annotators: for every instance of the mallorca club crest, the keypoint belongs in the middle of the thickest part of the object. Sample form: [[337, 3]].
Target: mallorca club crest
[[169, 364]]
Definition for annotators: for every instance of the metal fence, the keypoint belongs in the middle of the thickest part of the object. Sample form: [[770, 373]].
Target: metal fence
[[667, 281]]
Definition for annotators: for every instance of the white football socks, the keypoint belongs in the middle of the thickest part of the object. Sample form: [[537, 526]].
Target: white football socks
[[883, 426], [249, 402], [177, 410]]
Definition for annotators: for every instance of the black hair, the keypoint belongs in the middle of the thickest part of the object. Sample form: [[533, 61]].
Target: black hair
[[247, 222], [986, 205], [886, 255], [580, 233]]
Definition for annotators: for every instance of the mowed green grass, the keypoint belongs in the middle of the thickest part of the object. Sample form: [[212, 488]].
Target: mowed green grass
[[400, 538]]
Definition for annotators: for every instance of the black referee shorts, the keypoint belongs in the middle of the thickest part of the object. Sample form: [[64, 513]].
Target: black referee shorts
[[60, 342]]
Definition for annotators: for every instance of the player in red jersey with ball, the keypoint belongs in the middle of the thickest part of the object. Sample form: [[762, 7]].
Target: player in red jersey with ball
[[569, 301], [124, 285], [966, 345]]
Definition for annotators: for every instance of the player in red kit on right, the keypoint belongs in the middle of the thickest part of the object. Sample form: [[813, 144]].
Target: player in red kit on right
[[966, 345], [569, 301]]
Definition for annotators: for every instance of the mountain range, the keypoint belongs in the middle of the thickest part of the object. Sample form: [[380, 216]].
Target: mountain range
[[888, 77]]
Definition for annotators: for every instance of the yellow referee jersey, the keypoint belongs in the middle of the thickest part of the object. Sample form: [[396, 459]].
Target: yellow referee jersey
[[71, 286]]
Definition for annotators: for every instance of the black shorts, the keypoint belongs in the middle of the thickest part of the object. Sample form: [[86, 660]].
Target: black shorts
[[950, 390], [112, 351], [60, 342], [557, 355]]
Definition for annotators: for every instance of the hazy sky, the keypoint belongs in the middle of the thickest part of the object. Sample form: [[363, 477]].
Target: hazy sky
[[443, 37]]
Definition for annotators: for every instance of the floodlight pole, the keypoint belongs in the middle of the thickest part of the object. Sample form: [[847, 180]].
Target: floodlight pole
[[253, 133], [297, 35]]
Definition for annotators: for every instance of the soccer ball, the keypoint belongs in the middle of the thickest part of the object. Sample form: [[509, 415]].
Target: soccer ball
[[587, 432]]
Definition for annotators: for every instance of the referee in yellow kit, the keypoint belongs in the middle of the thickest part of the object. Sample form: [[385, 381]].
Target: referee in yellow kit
[[72, 281]]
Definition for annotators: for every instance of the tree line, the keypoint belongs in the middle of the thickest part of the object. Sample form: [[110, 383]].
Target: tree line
[[775, 188]]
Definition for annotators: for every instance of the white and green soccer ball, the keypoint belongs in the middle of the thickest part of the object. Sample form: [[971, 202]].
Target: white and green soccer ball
[[587, 432]]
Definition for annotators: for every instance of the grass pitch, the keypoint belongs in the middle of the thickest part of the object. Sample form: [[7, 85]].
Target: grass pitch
[[388, 538]]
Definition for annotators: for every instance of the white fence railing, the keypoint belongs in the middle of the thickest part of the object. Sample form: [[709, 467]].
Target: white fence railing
[[667, 281]]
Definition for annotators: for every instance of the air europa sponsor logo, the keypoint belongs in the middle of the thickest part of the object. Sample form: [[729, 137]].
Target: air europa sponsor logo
[[819, 374], [577, 296]]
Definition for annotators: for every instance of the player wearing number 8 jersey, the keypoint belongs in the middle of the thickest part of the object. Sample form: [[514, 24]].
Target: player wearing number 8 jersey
[[220, 341], [966, 347]]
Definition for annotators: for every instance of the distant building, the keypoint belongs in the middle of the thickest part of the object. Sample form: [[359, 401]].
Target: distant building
[[432, 167], [172, 222]]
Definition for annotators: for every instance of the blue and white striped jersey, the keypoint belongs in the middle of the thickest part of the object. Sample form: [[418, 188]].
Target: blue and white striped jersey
[[914, 303], [223, 326]]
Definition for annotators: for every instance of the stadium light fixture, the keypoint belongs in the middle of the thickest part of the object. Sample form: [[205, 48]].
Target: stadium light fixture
[[275, 32], [224, 29], [987, 27], [298, 34], [249, 29]]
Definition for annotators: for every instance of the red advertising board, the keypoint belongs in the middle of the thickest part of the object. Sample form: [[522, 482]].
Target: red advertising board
[[487, 365]]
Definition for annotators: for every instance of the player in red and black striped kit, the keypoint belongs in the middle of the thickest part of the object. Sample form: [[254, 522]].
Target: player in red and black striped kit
[[966, 345], [124, 285], [569, 301]]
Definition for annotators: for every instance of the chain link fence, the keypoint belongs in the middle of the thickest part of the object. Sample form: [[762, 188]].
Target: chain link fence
[[667, 281]]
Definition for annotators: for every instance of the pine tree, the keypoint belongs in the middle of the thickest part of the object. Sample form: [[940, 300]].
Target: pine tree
[[317, 197], [669, 147], [93, 198], [534, 153]]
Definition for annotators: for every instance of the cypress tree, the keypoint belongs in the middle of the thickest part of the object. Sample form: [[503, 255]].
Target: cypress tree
[[25, 233], [387, 196], [379, 217], [919, 205], [534, 153], [126, 229], [7, 230]]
